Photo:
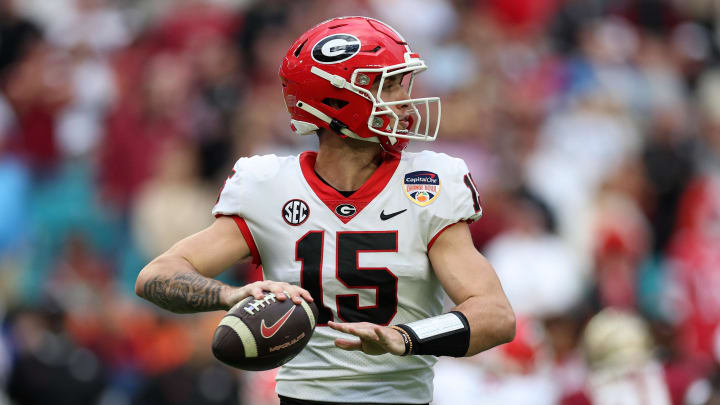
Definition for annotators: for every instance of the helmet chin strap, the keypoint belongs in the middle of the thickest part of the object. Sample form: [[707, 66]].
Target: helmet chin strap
[[336, 125]]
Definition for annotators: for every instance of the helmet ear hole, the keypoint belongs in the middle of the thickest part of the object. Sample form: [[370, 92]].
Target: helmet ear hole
[[335, 103]]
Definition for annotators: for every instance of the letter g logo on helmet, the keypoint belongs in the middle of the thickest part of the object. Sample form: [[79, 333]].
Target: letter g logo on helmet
[[336, 48]]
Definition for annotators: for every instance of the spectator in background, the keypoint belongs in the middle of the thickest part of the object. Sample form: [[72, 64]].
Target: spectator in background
[[426, 21], [694, 260], [623, 370], [88, 31], [218, 102], [540, 274], [668, 135], [159, 111], [708, 151], [49, 367], [620, 234], [80, 124], [693, 254], [576, 150], [546, 283], [34, 89], [171, 203], [518, 373]]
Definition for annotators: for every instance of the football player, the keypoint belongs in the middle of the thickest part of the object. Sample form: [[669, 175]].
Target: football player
[[373, 235]]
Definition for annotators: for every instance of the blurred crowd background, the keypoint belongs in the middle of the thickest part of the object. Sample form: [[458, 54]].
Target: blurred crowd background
[[591, 127]]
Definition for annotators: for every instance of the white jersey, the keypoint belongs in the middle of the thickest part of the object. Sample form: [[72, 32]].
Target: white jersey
[[363, 258]]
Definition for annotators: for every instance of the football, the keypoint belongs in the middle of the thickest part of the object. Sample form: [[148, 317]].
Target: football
[[263, 334]]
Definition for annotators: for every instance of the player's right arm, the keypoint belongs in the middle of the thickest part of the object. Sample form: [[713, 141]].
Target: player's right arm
[[182, 279]]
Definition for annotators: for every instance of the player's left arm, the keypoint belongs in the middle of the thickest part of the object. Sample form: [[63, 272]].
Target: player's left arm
[[471, 283], [473, 286]]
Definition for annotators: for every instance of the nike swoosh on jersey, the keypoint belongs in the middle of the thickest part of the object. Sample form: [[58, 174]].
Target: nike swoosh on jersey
[[388, 216], [268, 332]]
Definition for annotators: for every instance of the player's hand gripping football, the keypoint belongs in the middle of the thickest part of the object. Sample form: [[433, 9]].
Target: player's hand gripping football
[[281, 290], [374, 339]]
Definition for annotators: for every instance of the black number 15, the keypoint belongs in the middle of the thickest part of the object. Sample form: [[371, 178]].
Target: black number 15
[[309, 251]]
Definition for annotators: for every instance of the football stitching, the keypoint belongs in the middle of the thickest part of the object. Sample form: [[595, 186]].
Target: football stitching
[[257, 304]]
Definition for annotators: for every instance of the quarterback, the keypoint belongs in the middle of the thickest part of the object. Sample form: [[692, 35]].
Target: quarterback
[[373, 235]]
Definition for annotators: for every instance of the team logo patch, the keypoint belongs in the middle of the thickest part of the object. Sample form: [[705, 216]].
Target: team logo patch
[[345, 210], [336, 48], [295, 212], [421, 187]]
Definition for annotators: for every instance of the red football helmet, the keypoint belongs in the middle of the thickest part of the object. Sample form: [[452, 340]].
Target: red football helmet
[[327, 77]]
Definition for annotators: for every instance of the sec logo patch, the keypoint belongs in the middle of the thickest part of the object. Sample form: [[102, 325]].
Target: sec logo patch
[[295, 212], [421, 187]]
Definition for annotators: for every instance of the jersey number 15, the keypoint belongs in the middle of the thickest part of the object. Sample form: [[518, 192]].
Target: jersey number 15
[[309, 251]]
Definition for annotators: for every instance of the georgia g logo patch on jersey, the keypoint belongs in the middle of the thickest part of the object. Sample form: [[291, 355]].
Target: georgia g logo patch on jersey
[[345, 210], [336, 48], [421, 187]]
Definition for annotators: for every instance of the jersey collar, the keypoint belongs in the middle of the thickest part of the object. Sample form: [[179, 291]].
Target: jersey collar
[[360, 198]]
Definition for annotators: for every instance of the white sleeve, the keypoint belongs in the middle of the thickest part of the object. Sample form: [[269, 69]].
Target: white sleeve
[[232, 199], [461, 201], [239, 194]]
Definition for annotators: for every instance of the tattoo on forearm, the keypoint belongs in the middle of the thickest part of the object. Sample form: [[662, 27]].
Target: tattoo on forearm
[[185, 292]]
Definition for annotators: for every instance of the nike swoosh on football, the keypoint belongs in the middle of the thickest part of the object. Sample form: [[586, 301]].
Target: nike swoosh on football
[[388, 216], [268, 332]]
